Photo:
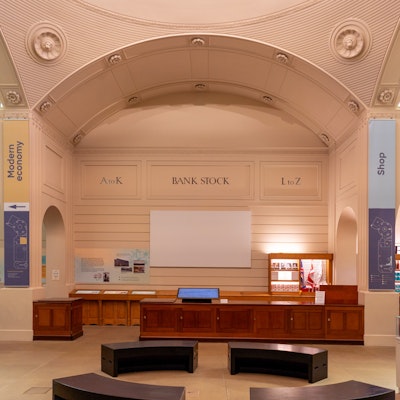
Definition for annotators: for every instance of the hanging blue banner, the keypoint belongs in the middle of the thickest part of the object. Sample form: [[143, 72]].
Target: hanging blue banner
[[381, 204]]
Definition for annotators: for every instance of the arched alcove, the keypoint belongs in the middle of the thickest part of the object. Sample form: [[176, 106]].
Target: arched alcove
[[54, 251], [345, 272]]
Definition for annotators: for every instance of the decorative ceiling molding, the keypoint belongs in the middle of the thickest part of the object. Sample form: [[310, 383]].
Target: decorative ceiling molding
[[46, 43], [12, 97], [386, 96], [350, 41]]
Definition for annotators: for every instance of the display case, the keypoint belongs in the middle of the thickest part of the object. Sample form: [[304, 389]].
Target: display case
[[297, 272]]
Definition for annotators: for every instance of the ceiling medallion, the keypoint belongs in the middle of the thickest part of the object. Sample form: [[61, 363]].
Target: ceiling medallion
[[350, 41], [13, 97], [386, 96], [46, 43]]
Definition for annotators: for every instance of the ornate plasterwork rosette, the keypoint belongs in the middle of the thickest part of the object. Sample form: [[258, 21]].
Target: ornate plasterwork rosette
[[46, 43], [350, 41], [386, 96], [13, 97]]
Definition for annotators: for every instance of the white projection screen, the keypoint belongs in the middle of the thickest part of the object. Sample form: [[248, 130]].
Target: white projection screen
[[200, 239]]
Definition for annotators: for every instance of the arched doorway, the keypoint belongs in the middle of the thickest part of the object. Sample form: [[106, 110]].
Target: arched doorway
[[345, 272], [54, 276]]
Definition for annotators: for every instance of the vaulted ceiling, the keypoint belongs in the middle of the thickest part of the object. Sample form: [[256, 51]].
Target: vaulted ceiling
[[80, 63]]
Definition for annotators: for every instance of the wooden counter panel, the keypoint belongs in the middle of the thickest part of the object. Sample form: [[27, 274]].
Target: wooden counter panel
[[251, 320]]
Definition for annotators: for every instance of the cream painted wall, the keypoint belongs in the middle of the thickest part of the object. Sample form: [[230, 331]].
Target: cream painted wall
[[381, 310], [100, 223]]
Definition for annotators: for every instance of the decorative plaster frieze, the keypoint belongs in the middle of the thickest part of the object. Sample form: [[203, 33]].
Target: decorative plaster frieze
[[7, 114], [383, 115], [50, 132]]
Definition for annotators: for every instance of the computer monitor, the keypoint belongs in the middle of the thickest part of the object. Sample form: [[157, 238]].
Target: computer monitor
[[198, 295]]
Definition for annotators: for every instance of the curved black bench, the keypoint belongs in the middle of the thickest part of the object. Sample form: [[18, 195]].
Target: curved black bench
[[93, 386], [149, 355], [279, 359], [350, 390]]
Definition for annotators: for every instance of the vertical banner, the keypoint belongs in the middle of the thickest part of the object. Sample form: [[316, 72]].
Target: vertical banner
[[16, 202], [382, 203]]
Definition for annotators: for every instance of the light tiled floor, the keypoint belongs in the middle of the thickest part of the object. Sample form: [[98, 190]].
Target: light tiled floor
[[27, 368]]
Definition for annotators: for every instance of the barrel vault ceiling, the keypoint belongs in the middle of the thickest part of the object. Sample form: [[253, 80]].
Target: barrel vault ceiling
[[321, 63]]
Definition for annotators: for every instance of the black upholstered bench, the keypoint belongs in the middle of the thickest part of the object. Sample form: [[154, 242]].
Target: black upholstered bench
[[149, 355], [350, 390], [279, 359], [93, 386]]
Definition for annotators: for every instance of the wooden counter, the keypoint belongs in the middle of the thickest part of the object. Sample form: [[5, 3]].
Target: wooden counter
[[284, 321], [122, 307]]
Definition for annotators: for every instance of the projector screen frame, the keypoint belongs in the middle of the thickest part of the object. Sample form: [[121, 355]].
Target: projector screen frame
[[199, 238]]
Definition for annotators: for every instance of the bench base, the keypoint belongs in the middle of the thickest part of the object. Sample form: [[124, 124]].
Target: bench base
[[278, 359], [350, 390], [149, 355]]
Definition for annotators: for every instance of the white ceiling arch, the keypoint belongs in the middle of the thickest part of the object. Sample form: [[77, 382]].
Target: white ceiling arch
[[130, 76], [195, 12]]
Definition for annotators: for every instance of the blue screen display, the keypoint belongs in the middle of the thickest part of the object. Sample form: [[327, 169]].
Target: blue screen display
[[198, 293]]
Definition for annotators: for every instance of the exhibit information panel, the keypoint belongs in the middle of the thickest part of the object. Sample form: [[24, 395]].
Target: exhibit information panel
[[16, 203], [381, 203]]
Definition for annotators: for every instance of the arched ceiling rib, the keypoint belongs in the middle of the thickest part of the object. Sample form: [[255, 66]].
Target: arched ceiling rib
[[82, 86], [192, 63]]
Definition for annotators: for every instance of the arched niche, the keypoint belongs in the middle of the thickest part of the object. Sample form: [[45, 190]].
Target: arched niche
[[54, 274], [345, 272]]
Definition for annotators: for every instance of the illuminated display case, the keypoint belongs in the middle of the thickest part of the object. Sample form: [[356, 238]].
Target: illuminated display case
[[297, 272], [397, 271]]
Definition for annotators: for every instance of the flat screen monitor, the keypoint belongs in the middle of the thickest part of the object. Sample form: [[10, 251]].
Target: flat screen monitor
[[198, 295]]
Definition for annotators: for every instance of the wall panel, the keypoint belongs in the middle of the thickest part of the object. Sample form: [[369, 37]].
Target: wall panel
[[293, 223]]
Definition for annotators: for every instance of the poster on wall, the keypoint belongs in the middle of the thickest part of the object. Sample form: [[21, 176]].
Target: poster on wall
[[123, 266]]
